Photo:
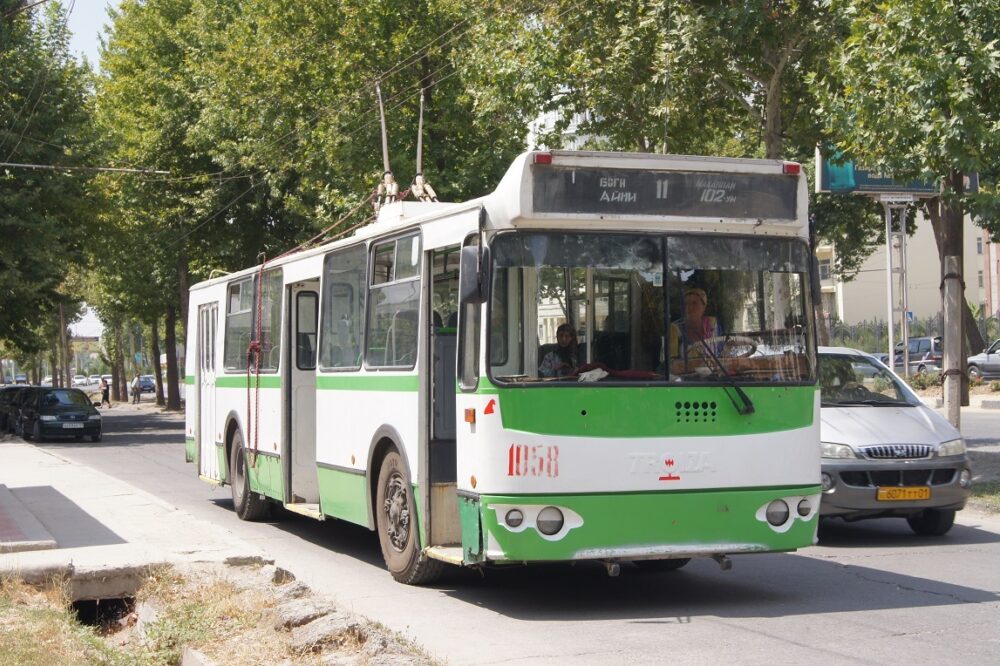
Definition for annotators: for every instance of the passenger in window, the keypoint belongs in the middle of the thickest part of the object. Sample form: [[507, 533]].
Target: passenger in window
[[689, 335], [563, 360]]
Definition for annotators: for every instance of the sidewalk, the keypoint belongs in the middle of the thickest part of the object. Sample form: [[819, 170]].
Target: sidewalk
[[62, 519]]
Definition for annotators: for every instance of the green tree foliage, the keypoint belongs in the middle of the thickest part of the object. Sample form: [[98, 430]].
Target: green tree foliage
[[44, 119]]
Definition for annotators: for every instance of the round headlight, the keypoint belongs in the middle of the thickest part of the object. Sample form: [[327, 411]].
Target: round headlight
[[805, 507], [550, 520], [777, 512], [826, 480], [514, 518]]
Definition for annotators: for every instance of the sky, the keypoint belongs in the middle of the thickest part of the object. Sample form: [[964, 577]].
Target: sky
[[86, 21]]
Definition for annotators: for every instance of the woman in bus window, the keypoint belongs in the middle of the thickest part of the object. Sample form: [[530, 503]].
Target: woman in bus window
[[561, 361], [689, 334]]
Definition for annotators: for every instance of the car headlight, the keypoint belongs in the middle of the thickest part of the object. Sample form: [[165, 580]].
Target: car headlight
[[953, 447], [830, 450], [46, 417]]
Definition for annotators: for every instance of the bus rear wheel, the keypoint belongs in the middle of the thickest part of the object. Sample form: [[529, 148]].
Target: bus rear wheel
[[247, 504], [395, 519]]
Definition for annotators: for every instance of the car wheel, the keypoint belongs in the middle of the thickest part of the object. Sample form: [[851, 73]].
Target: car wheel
[[932, 522], [657, 566], [921, 369], [95, 438], [396, 520], [248, 504], [975, 372], [36, 432]]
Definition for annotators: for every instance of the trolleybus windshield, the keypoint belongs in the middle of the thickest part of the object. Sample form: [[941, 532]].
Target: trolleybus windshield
[[649, 308]]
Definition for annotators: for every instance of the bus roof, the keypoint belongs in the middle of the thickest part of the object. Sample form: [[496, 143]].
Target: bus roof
[[593, 189]]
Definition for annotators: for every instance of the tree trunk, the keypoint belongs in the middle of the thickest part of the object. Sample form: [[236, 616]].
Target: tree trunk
[[154, 341], [173, 386]]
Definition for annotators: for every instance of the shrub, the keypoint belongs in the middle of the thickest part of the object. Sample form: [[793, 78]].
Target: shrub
[[995, 386], [925, 380]]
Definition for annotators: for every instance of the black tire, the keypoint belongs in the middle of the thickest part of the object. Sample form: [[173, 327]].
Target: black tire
[[932, 522], [247, 504], [975, 372], [658, 566], [95, 438], [395, 520]]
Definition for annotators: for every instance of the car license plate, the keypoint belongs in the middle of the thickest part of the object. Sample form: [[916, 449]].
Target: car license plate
[[903, 493], [72, 425]]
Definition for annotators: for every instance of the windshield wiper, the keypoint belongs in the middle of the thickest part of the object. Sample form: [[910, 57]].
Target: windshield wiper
[[747, 404], [874, 403]]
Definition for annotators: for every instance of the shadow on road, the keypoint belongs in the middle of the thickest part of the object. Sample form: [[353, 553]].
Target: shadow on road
[[130, 428]]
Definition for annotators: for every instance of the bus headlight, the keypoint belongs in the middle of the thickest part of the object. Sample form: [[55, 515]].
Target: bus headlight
[[777, 512], [514, 518], [804, 507], [953, 447], [831, 450], [550, 520]]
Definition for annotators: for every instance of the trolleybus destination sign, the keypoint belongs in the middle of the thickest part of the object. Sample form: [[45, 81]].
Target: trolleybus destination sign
[[632, 192]]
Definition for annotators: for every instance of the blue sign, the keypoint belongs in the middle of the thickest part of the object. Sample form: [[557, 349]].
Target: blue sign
[[845, 177]]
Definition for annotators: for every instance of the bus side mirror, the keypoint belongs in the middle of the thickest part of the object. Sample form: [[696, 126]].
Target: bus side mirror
[[472, 282]]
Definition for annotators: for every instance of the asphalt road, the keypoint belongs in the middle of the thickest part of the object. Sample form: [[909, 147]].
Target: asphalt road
[[870, 593]]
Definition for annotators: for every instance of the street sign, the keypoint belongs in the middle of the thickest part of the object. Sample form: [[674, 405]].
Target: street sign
[[909, 316], [841, 176], [896, 198]]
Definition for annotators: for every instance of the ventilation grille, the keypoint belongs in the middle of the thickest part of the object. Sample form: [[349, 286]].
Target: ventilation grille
[[694, 411], [897, 451]]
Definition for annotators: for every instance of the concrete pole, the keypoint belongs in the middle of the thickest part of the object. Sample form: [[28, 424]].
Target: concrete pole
[[953, 339], [888, 282]]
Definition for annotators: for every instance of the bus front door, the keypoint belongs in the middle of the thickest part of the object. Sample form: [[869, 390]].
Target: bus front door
[[303, 322]]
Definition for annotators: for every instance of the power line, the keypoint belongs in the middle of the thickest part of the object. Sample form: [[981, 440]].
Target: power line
[[56, 167], [24, 8]]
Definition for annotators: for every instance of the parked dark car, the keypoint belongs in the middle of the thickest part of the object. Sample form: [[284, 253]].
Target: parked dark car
[[61, 412], [21, 379], [147, 384], [10, 406], [986, 364]]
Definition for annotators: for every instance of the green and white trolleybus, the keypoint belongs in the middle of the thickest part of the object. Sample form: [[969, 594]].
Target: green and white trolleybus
[[417, 378]]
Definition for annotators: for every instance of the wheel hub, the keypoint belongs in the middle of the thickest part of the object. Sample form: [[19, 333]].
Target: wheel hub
[[397, 513]]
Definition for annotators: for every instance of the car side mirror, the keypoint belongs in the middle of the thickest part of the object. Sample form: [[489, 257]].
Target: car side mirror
[[472, 278]]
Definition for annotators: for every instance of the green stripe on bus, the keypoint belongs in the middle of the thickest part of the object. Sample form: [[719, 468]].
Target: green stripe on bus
[[654, 411], [265, 476], [240, 381], [343, 495], [404, 383], [189, 449], [189, 380], [693, 520]]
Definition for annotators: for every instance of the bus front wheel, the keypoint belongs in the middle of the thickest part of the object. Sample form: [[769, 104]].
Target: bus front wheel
[[248, 504], [395, 517]]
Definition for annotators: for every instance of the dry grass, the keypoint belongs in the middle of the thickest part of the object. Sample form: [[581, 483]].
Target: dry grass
[[205, 610], [986, 496], [38, 626]]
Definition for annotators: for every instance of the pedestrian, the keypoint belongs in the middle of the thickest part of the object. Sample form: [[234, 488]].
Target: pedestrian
[[105, 392], [136, 389]]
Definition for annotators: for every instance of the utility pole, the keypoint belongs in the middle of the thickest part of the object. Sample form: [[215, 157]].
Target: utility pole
[[895, 269]]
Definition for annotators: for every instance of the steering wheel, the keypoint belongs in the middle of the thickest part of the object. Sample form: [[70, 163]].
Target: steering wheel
[[733, 346], [854, 391]]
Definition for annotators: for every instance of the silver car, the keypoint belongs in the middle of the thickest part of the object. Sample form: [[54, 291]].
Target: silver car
[[986, 364], [885, 453]]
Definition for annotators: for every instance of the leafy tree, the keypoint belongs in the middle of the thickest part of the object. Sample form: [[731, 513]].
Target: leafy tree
[[44, 119], [913, 90]]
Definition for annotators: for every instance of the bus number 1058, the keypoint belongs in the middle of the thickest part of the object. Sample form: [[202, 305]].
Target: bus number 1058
[[537, 460]]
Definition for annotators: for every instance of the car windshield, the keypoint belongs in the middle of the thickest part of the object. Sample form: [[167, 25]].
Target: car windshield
[[649, 308], [64, 398], [848, 379]]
